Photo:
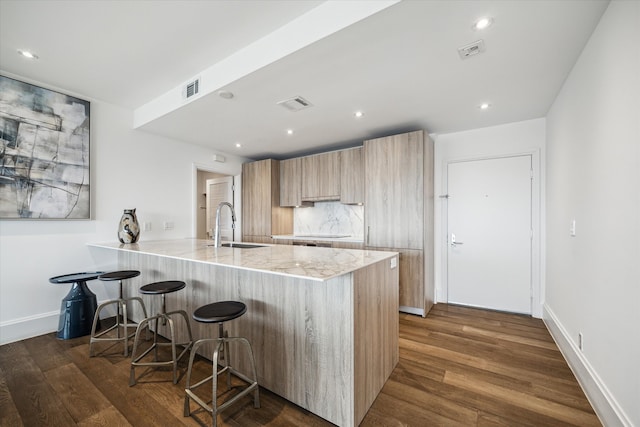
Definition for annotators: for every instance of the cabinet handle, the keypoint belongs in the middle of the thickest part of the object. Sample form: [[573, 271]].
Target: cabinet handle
[[368, 232]]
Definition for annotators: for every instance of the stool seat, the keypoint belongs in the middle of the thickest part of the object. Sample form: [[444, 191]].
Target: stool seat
[[119, 275], [218, 312], [165, 287]]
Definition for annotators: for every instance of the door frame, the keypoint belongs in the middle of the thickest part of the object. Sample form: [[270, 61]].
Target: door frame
[[537, 296], [237, 195]]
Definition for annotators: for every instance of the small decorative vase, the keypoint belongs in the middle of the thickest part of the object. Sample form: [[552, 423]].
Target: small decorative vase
[[129, 230]]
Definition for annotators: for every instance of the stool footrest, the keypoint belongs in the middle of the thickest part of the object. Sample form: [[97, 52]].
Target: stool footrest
[[135, 359]]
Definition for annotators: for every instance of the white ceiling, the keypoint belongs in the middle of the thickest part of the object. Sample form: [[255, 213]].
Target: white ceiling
[[399, 66]]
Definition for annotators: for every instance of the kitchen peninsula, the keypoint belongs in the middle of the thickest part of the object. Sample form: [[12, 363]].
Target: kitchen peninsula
[[323, 322]]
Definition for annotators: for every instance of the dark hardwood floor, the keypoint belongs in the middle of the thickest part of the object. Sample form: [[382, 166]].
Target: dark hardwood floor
[[459, 366]]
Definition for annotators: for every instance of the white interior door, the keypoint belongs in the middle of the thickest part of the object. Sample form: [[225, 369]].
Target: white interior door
[[220, 190], [489, 227]]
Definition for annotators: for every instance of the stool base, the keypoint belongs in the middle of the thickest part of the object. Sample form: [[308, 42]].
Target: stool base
[[220, 344], [121, 306], [136, 359], [76, 311]]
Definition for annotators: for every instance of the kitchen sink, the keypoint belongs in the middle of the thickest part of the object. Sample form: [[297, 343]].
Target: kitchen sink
[[241, 245]]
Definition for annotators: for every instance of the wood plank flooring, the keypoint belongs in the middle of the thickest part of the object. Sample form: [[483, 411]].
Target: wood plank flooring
[[458, 367]]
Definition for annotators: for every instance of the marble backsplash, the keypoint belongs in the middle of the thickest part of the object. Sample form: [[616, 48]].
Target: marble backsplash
[[329, 218]]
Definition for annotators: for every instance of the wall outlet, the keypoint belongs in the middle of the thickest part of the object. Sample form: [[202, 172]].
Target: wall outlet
[[580, 341], [168, 225], [393, 263], [146, 226], [572, 228]]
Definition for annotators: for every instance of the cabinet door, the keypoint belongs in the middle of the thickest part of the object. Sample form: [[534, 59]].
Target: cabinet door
[[256, 198], [412, 284], [394, 191], [257, 239], [291, 183], [351, 176], [321, 177]]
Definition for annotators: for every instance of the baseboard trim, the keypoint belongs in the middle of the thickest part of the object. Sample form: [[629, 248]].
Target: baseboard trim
[[28, 327], [603, 403], [411, 310]]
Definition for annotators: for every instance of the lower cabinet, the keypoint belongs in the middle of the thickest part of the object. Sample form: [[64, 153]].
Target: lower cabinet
[[412, 284], [348, 245], [257, 239]]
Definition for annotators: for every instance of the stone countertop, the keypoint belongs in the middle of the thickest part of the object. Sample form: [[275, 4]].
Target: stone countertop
[[319, 238], [305, 262]]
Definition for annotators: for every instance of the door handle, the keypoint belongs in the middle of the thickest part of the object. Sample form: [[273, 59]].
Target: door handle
[[454, 242]]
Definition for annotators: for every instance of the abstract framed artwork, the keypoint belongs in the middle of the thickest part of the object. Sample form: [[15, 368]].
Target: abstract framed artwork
[[44, 153]]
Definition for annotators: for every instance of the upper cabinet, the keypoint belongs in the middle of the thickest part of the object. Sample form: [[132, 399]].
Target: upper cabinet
[[291, 182], [262, 215], [394, 191], [321, 177], [352, 176]]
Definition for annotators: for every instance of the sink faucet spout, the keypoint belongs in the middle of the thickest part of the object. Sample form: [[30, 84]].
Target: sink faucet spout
[[216, 234]]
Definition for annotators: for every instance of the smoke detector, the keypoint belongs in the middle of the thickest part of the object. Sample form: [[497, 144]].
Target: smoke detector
[[295, 104], [471, 49]]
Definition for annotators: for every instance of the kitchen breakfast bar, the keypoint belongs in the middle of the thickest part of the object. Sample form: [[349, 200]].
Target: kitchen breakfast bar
[[323, 322]]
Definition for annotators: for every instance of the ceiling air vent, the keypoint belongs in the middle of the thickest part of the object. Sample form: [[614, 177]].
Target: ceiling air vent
[[191, 89], [295, 104], [471, 49]]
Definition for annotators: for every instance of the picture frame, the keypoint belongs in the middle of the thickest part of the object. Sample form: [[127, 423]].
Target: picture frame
[[44, 153]]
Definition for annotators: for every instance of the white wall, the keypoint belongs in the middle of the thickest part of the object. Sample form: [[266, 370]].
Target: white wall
[[496, 141], [593, 175], [128, 169]]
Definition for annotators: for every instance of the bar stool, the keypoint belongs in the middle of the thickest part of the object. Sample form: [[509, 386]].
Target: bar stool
[[78, 308], [160, 288], [121, 306], [220, 312]]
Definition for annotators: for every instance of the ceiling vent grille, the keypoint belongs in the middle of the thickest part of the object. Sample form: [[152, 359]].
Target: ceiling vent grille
[[191, 89], [471, 49], [295, 104]]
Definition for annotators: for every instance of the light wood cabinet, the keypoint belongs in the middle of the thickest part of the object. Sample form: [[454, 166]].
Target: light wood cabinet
[[399, 210], [351, 176], [291, 183], [394, 189], [411, 272], [262, 215], [348, 245], [321, 177]]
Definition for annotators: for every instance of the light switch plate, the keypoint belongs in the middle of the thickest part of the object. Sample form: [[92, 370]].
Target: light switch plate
[[393, 262]]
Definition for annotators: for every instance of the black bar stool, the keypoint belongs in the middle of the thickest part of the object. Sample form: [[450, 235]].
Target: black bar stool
[[160, 288], [78, 308], [121, 307], [220, 312]]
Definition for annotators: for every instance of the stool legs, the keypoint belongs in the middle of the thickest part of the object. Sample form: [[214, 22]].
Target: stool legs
[[121, 304], [166, 318], [221, 345]]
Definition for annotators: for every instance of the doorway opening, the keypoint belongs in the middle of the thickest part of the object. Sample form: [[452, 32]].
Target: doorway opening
[[211, 188]]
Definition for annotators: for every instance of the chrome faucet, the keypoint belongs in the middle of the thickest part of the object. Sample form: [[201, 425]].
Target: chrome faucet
[[216, 234]]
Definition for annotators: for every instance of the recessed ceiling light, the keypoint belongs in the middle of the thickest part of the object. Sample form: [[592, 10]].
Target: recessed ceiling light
[[27, 54], [289, 131], [238, 145], [484, 106], [225, 94], [483, 23], [358, 114]]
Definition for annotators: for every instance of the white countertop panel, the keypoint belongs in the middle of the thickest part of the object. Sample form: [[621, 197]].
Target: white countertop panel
[[297, 261]]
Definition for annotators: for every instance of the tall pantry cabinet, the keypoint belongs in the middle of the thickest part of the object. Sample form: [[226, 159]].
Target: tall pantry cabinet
[[262, 215], [399, 211]]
